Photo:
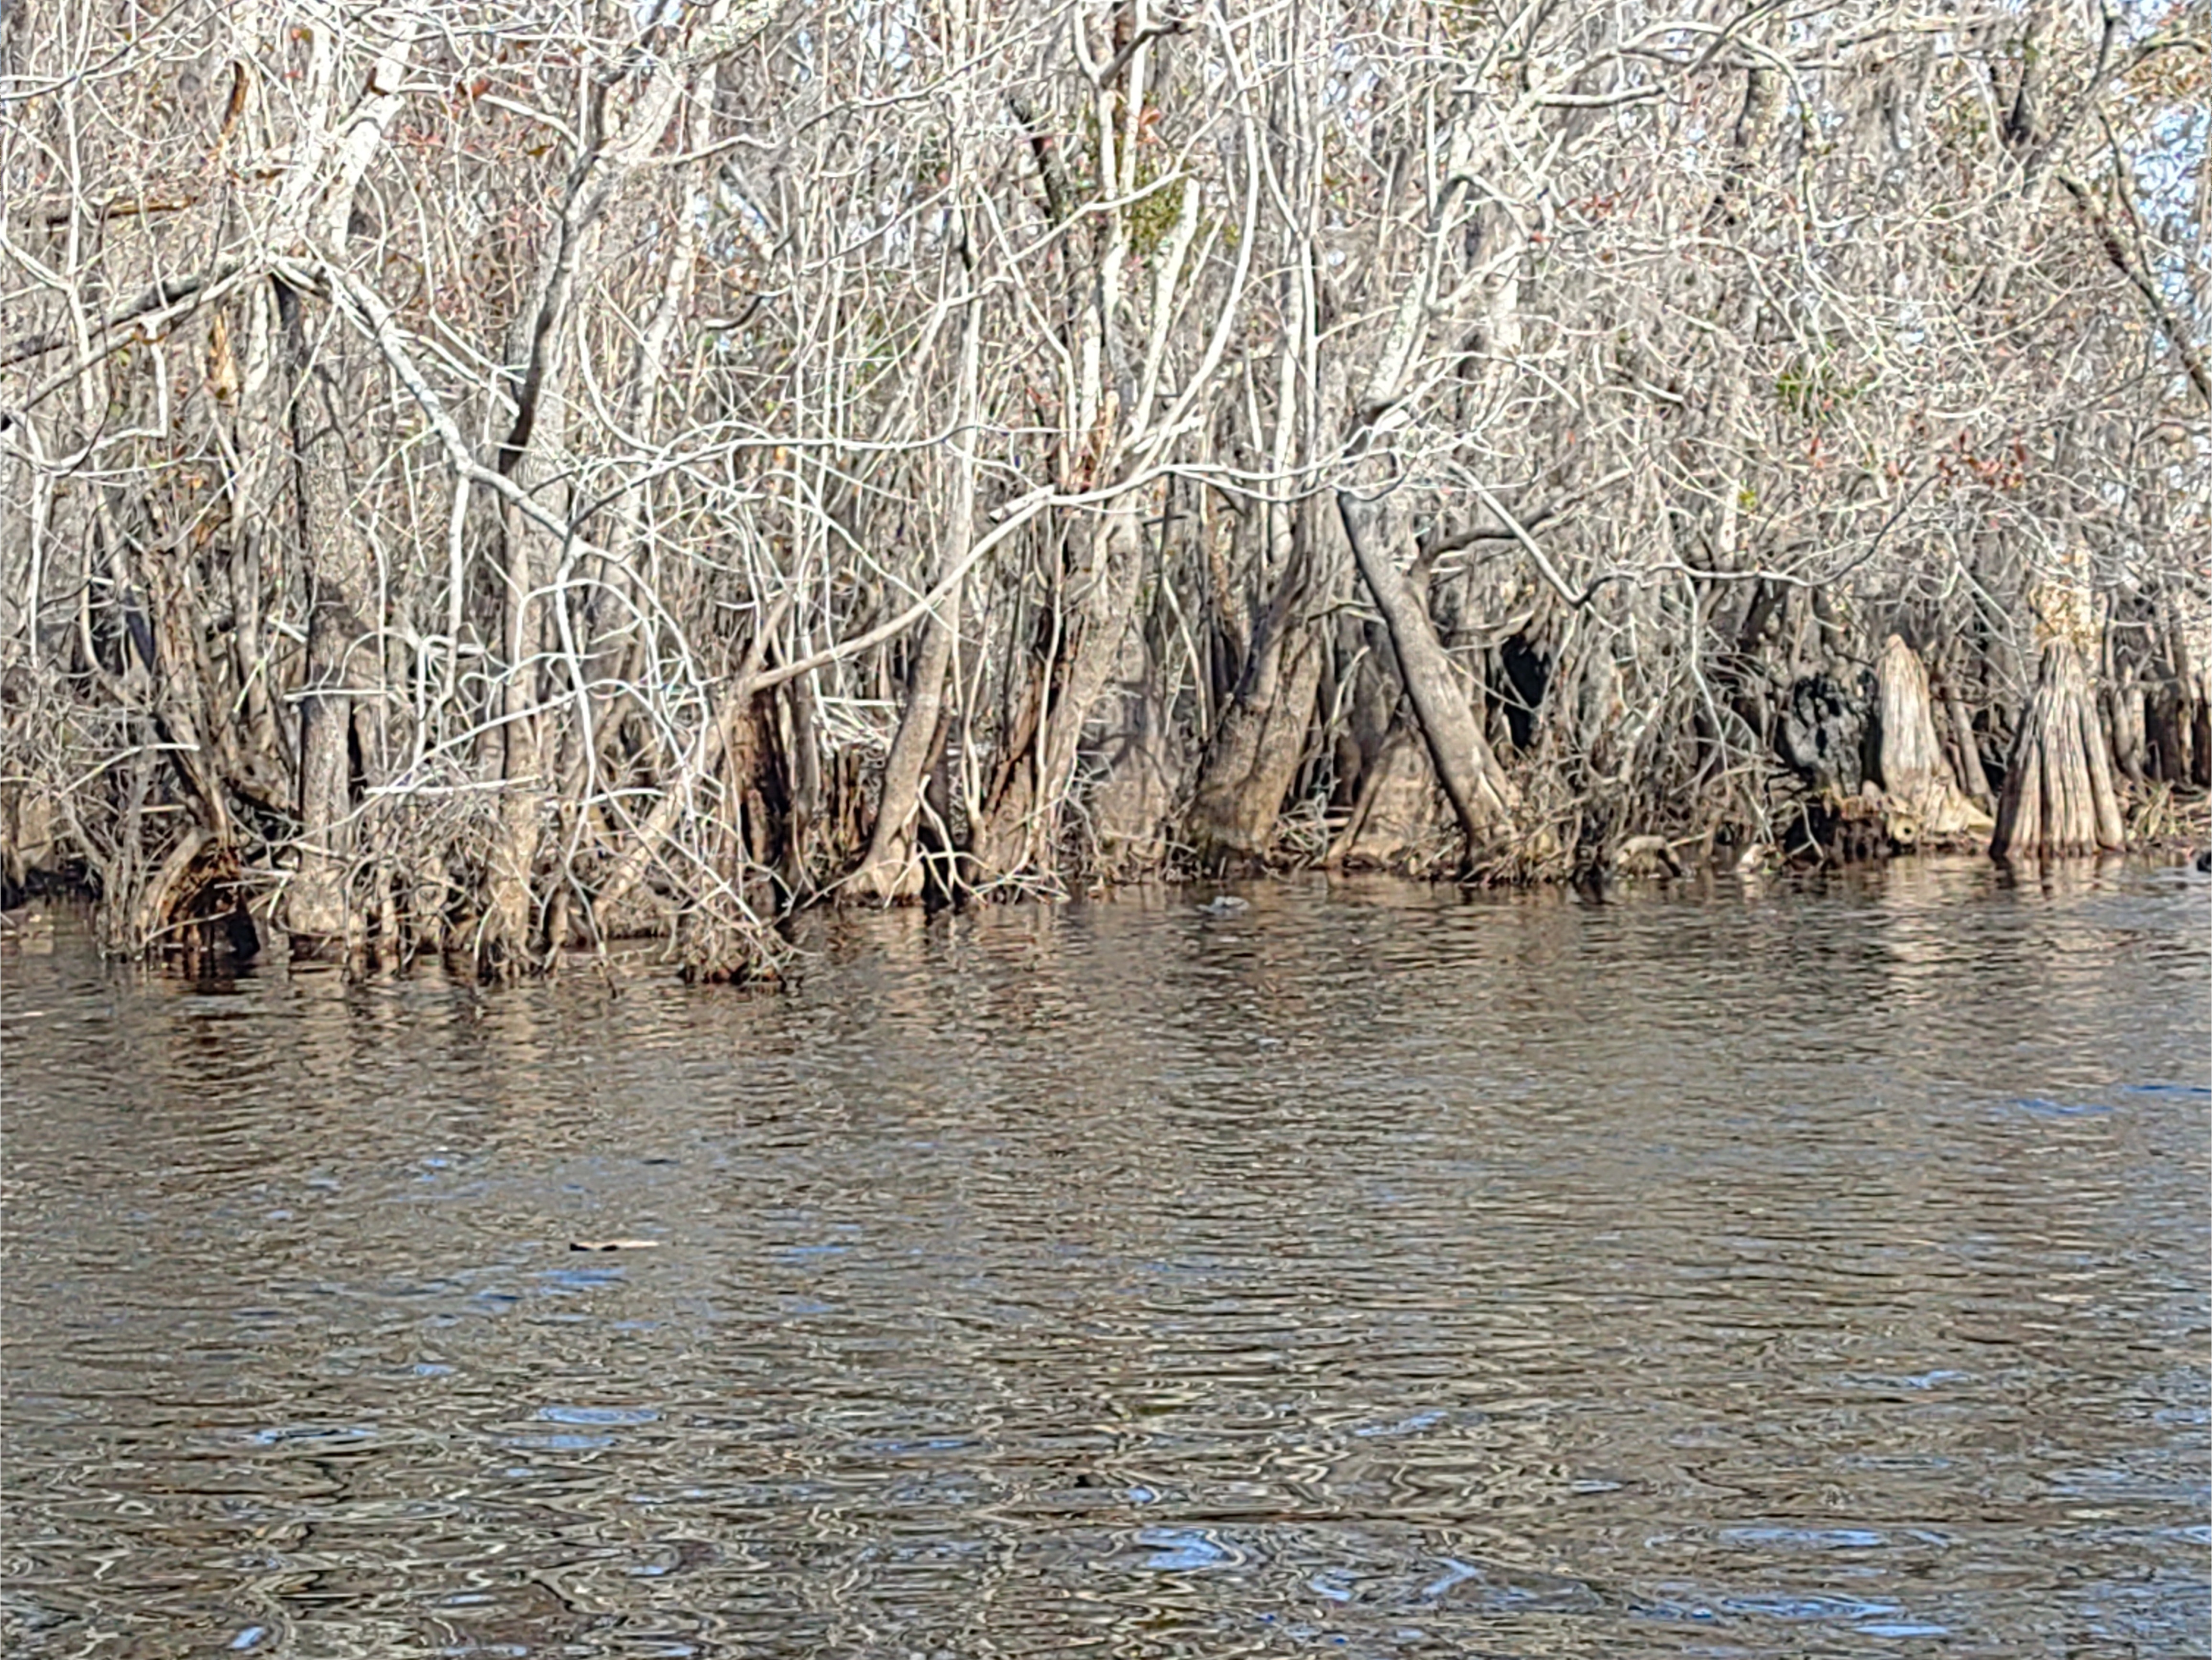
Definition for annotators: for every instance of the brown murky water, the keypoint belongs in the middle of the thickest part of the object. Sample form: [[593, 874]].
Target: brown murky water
[[1790, 1270]]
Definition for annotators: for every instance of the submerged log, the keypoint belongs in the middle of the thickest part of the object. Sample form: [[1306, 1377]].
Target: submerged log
[[1910, 764], [2058, 795]]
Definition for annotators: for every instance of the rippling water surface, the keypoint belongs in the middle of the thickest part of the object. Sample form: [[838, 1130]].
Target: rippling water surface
[[1789, 1270]]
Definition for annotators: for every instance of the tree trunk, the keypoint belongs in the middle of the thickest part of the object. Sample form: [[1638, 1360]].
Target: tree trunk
[[540, 346], [2123, 706], [319, 911], [1106, 586], [1972, 777], [1481, 796], [892, 869], [2058, 795], [1909, 761], [1131, 807], [1396, 821], [1253, 759]]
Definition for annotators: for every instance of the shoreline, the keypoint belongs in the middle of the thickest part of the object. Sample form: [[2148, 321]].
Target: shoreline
[[30, 927]]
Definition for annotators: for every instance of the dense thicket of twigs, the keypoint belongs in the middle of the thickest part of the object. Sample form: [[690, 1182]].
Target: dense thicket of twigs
[[498, 476]]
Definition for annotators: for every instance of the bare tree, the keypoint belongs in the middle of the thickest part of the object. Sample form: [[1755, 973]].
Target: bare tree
[[494, 480]]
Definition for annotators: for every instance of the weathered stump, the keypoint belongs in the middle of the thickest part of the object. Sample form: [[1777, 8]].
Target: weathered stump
[[2058, 795], [1910, 761]]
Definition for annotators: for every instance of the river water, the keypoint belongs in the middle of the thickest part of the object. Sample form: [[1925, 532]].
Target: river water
[[1790, 1269]]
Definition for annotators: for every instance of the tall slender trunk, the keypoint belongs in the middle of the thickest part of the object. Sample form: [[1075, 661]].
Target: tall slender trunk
[[319, 913], [890, 868]]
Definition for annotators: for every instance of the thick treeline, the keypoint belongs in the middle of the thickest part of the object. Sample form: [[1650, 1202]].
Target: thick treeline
[[493, 478]]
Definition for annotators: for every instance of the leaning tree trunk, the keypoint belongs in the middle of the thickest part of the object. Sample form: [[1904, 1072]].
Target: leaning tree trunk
[[2058, 795], [1972, 778], [1909, 760], [1481, 797]]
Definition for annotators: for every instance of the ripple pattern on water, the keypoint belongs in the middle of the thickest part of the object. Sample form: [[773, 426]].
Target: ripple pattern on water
[[1790, 1269]]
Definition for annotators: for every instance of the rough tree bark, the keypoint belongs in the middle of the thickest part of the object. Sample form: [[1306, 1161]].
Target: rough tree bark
[[2058, 796], [1909, 762], [1482, 798], [892, 868], [1105, 589], [1254, 755], [1132, 807]]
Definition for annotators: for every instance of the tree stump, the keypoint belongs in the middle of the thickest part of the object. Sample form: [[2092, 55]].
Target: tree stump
[[1909, 760], [2058, 795]]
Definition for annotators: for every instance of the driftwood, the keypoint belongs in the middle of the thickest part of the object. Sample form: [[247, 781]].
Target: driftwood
[[2058, 795]]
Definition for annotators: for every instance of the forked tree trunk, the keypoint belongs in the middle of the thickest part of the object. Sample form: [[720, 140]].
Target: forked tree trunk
[[892, 866], [2058, 795], [1254, 757]]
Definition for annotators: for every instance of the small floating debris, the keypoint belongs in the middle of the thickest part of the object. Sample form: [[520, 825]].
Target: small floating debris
[[1227, 905], [613, 1244]]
